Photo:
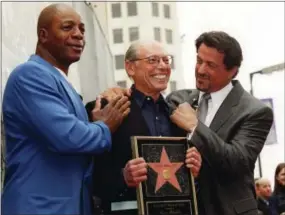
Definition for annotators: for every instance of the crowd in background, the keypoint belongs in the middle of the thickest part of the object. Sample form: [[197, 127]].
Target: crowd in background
[[271, 202]]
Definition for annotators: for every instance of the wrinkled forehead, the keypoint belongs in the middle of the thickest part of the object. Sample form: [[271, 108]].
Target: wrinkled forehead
[[66, 14], [150, 49]]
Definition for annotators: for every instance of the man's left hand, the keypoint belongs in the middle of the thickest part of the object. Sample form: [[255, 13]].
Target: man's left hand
[[185, 117], [193, 161]]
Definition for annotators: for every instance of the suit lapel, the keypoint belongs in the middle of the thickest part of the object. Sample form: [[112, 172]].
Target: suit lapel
[[226, 109], [72, 94], [74, 97]]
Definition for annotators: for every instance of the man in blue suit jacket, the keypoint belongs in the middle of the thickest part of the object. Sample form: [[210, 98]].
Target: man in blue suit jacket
[[49, 140]]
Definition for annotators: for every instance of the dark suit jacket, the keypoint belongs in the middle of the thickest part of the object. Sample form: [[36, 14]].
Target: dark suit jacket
[[229, 149], [263, 206], [109, 184], [277, 203]]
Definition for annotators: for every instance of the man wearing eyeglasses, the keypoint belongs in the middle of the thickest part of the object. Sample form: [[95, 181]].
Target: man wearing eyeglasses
[[116, 175]]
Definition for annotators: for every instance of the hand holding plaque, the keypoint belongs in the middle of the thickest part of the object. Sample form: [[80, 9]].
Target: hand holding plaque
[[193, 161], [135, 172], [169, 186]]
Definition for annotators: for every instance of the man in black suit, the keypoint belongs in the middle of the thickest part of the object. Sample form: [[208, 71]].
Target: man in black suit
[[263, 193], [117, 175], [229, 127]]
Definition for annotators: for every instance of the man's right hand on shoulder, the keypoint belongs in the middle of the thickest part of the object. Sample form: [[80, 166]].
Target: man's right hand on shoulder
[[113, 113], [111, 93], [135, 172]]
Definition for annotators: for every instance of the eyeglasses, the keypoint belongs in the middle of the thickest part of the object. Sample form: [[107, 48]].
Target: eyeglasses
[[155, 60]]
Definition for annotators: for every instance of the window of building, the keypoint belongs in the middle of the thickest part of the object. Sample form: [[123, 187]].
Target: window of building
[[133, 33], [157, 35], [166, 10], [116, 10], [122, 84], [118, 35], [173, 63], [120, 61], [155, 10], [168, 35], [173, 86], [132, 8]]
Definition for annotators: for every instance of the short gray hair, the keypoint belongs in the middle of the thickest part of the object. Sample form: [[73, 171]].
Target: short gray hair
[[132, 51]]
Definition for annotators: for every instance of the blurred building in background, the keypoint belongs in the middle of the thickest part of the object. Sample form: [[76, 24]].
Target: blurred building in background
[[131, 21]]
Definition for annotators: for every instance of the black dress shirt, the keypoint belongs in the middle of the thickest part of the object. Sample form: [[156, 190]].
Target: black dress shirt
[[155, 113]]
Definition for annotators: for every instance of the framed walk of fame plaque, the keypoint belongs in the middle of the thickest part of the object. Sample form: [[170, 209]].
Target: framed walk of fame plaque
[[169, 188]]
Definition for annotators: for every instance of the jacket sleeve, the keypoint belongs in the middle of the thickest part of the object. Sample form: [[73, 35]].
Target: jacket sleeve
[[47, 116], [178, 97], [108, 180], [240, 154]]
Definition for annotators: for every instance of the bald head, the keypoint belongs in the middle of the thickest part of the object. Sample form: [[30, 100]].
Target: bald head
[[49, 12], [138, 46], [60, 35]]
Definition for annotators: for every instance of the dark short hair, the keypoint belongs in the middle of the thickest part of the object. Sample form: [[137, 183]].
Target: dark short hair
[[224, 43], [277, 185]]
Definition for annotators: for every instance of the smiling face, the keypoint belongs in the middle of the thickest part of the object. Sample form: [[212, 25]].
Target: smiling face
[[211, 73], [64, 38], [151, 69]]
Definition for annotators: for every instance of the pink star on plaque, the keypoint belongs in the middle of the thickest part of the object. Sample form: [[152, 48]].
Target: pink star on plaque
[[166, 171]]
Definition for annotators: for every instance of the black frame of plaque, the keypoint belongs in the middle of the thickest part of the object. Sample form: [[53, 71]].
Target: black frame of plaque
[[144, 200]]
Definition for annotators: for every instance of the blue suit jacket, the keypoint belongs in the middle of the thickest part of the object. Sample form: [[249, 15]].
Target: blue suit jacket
[[49, 143]]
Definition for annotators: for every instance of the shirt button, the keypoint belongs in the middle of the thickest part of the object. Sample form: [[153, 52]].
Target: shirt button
[[148, 98], [157, 118]]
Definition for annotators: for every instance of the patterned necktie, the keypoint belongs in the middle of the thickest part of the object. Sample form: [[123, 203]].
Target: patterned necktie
[[203, 107]]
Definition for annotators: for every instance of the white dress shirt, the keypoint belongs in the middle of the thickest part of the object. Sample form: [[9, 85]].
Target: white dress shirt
[[214, 104]]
